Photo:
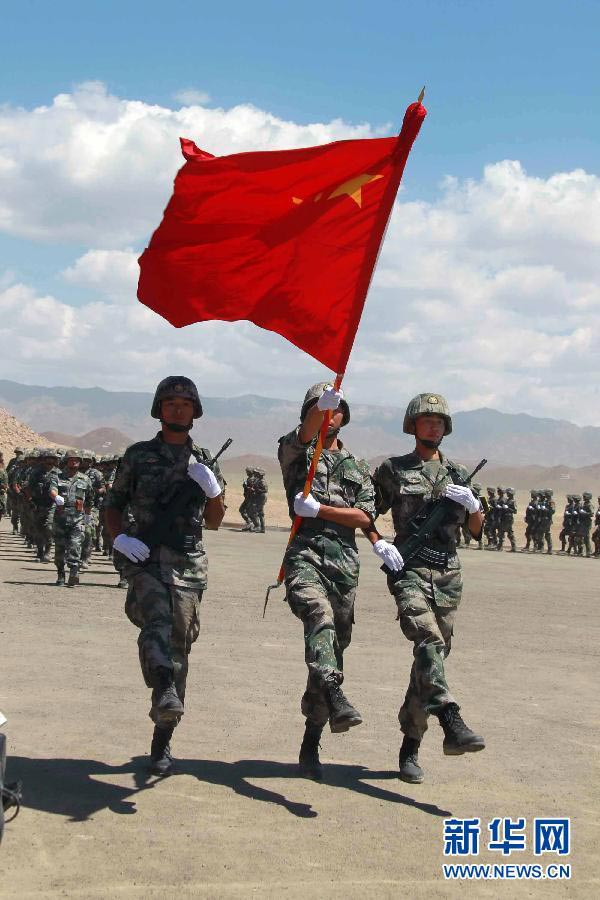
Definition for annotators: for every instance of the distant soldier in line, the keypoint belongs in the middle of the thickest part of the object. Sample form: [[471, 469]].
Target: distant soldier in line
[[596, 533], [567, 523], [546, 513], [574, 533], [585, 518], [43, 504], [507, 512], [530, 514], [3, 487], [92, 518], [259, 500], [72, 493], [476, 488], [489, 528], [11, 503], [247, 487]]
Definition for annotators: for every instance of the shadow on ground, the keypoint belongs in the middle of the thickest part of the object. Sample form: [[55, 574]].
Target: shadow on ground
[[74, 787]]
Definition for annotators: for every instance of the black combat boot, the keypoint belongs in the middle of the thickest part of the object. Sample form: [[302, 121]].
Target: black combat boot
[[73, 576], [60, 575], [123, 583], [309, 763], [408, 761], [458, 738], [167, 708], [161, 761], [342, 714], [261, 521]]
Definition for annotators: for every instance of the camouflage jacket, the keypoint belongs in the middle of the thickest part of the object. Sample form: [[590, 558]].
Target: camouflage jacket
[[97, 479], [40, 484], [150, 475], [340, 480], [3, 481], [78, 494], [404, 484]]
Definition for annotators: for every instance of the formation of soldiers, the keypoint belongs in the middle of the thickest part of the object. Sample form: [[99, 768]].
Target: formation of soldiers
[[54, 499], [252, 509]]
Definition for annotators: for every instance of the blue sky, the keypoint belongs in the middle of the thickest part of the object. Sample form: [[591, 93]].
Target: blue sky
[[505, 81]]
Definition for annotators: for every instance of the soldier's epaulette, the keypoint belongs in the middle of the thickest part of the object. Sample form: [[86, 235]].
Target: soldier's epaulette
[[406, 461]]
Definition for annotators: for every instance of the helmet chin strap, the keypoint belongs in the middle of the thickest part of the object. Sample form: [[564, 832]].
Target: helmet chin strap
[[431, 445], [176, 426]]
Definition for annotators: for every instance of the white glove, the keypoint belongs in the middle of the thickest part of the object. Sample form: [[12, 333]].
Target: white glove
[[330, 399], [464, 496], [307, 507], [59, 501], [130, 547], [389, 555], [206, 478]]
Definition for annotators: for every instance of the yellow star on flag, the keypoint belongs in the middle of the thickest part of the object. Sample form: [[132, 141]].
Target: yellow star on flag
[[352, 188]]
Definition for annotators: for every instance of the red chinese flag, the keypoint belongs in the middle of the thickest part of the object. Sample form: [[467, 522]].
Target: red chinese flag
[[287, 239]]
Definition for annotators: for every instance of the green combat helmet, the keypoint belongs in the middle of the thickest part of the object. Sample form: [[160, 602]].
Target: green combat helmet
[[73, 454], [510, 491], [577, 498], [587, 495], [176, 386], [313, 394], [548, 492], [491, 491], [427, 405], [476, 488]]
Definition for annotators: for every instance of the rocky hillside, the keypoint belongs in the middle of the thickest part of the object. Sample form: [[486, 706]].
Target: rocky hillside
[[15, 434]]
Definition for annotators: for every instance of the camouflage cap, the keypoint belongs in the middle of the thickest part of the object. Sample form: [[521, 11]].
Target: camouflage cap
[[313, 394], [427, 405], [176, 386]]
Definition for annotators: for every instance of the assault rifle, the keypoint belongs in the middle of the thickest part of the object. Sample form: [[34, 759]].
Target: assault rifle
[[174, 504], [426, 523]]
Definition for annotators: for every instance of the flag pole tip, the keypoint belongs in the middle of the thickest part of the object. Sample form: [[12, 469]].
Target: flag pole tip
[[421, 95]]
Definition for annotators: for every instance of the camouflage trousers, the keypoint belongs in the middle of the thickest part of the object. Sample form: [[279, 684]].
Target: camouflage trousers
[[68, 540], [89, 535], [426, 619], [326, 609], [44, 518], [169, 621], [507, 531]]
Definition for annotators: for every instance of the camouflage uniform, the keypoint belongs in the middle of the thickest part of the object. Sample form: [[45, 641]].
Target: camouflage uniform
[[489, 526], [596, 532], [3, 490], [68, 522], [259, 500], [247, 488], [427, 596], [530, 517], [566, 522], [585, 518], [321, 563], [507, 512], [547, 510], [39, 488], [574, 526], [164, 594]]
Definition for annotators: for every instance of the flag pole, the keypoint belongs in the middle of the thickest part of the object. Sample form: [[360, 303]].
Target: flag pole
[[364, 287]]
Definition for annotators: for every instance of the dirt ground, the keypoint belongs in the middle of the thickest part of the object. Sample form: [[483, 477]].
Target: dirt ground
[[236, 821]]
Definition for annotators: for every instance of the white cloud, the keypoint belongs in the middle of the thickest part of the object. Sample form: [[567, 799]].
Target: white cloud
[[489, 294], [96, 169], [192, 97]]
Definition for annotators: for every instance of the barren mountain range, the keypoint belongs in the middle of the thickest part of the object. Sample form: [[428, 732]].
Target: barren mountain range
[[107, 420]]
